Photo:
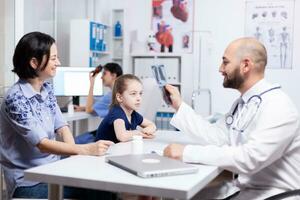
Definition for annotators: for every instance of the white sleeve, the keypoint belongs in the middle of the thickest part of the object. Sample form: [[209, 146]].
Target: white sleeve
[[267, 143], [187, 121]]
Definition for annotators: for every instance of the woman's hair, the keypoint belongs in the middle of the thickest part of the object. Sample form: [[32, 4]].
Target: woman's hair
[[32, 45], [113, 68], [120, 86]]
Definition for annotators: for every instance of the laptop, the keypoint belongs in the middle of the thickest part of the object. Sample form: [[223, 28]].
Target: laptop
[[151, 165]]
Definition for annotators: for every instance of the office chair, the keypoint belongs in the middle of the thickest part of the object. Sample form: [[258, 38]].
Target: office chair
[[284, 195]]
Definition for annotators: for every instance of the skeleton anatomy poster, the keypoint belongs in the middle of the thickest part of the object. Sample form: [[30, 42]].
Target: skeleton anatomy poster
[[271, 22], [172, 24]]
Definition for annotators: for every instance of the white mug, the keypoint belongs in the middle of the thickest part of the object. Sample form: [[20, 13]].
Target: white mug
[[70, 109], [137, 144]]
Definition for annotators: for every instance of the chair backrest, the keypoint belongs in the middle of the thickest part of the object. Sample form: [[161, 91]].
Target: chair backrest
[[152, 99]]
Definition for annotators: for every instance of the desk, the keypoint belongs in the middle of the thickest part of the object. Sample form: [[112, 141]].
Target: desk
[[94, 173], [82, 122], [77, 116]]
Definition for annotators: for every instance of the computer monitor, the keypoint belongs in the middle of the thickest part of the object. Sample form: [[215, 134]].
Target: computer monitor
[[74, 81]]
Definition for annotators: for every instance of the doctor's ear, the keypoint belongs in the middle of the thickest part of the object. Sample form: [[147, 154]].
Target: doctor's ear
[[246, 65], [34, 63]]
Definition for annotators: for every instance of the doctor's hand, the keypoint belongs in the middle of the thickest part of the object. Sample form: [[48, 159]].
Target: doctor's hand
[[174, 151], [175, 96], [96, 148]]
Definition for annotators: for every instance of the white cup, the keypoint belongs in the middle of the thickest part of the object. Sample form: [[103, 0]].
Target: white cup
[[137, 144], [70, 109]]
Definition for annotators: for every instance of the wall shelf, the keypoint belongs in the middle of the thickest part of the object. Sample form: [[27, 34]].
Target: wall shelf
[[88, 43], [103, 52], [117, 58], [118, 38], [117, 41]]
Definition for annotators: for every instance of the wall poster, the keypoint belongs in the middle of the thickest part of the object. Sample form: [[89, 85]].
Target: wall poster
[[271, 22], [172, 25]]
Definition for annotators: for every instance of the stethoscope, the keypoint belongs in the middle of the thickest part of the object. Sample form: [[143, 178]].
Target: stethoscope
[[247, 113]]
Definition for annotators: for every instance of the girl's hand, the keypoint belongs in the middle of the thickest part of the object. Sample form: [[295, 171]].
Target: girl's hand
[[149, 130], [148, 135], [144, 135]]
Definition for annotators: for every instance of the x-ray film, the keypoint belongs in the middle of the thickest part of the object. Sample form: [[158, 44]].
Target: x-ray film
[[160, 77]]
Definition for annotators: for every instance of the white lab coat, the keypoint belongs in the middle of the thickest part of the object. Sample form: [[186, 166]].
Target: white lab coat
[[267, 161]]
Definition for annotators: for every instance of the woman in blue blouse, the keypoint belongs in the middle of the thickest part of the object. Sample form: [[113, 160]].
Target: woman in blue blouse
[[30, 121]]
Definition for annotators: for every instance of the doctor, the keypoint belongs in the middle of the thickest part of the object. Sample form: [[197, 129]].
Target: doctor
[[258, 139]]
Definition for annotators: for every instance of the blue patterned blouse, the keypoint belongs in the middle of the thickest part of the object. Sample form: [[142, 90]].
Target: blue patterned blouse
[[26, 117]]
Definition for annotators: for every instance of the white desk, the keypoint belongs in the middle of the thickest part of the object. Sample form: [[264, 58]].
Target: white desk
[[77, 116], [82, 122], [94, 173]]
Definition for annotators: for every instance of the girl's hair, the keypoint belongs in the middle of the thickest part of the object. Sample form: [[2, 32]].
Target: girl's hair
[[120, 86]]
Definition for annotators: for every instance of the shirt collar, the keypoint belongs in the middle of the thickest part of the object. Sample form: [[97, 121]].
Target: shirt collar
[[29, 92], [256, 89]]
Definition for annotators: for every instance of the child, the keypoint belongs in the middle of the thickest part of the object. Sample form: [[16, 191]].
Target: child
[[121, 122]]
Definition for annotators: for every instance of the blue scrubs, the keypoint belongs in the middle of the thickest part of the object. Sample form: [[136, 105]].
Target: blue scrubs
[[101, 105]]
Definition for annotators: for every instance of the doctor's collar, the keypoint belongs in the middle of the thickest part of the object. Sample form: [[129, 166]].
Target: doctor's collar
[[256, 89]]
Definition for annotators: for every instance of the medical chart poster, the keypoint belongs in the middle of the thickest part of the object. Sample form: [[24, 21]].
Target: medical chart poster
[[271, 22], [172, 25]]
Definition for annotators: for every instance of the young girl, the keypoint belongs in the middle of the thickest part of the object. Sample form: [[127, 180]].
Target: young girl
[[122, 120]]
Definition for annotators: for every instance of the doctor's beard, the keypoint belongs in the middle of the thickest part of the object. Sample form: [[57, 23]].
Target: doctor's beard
[[234, 80]]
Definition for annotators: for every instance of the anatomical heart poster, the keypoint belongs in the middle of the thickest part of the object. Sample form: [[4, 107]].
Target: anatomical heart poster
[[172, 25], [271, 22]]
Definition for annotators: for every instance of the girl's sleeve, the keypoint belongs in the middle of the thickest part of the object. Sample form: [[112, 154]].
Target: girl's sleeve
[[115, 114], [139, 118]]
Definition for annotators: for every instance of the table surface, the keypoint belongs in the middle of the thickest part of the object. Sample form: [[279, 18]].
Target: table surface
[[77, 116], [94, 173]]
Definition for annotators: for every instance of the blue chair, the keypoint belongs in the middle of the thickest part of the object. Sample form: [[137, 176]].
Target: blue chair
[[86, 138]]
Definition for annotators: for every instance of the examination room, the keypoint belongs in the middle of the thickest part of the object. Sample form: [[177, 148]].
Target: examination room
[[149, 99]]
